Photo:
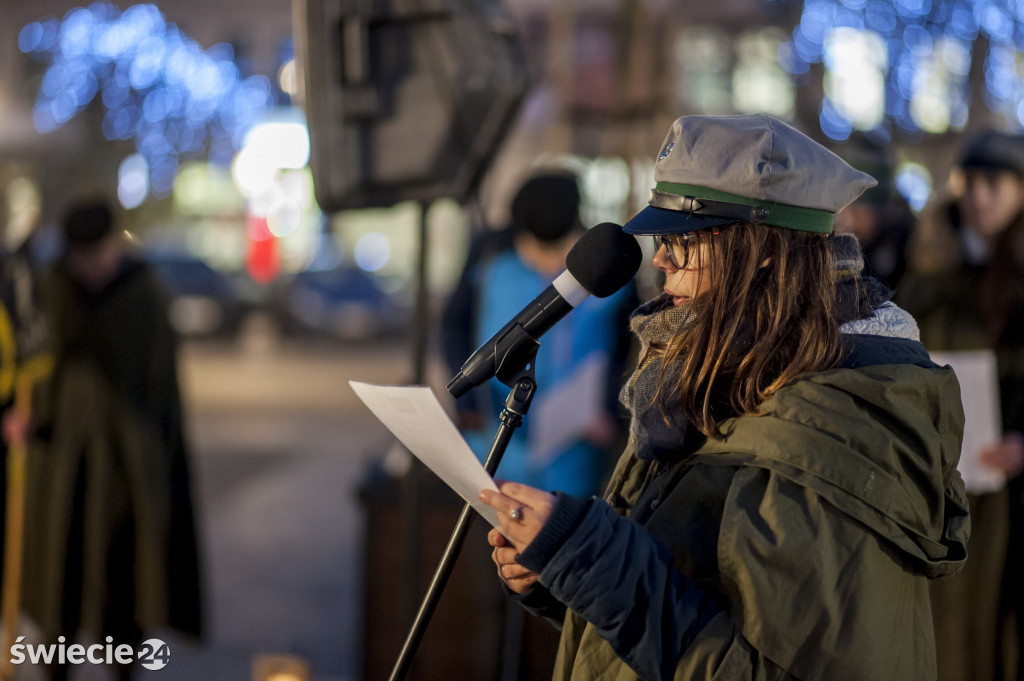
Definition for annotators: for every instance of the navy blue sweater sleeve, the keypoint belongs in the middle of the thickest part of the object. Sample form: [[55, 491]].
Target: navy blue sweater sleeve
[[566, 514], [621, 579], [538, 601]]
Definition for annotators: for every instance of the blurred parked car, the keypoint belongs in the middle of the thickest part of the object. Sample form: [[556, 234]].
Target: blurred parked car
[[204, 301], [343, 303]]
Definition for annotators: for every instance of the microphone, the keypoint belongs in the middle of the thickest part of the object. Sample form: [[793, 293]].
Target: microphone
[[603, 260]]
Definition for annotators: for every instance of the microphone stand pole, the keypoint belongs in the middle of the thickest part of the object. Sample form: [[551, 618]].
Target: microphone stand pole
[[516, 405], [412, 489]]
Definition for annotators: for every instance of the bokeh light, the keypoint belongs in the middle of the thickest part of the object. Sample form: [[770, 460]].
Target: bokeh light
[[288, 78], [759, 83], [372, 251], [23, 197], [284, 217], [855, 80], [133, 181], [159, 87], [914, 182], [923, 57], [604, 185]]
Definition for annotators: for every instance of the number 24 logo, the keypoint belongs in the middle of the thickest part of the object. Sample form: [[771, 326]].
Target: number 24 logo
[[154, 654]]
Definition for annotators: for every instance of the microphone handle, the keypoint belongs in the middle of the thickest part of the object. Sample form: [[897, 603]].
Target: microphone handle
[[534, 320]]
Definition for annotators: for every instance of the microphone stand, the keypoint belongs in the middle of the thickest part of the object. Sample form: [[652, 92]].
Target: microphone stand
[[523, 382]]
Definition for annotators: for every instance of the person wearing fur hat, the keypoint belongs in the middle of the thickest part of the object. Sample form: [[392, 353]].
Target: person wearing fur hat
[[790, 485], [965, 284]]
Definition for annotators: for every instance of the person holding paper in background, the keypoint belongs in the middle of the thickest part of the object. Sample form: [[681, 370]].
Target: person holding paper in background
[[790, 486], [965, 285]]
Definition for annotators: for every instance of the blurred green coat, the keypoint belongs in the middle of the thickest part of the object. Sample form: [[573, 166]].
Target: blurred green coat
[[110, 536]]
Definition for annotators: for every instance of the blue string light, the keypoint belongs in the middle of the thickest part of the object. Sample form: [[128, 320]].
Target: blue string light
[[915, 30], [159, 87]]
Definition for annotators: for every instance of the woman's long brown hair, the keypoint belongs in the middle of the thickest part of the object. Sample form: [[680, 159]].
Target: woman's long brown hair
[[769, 315]]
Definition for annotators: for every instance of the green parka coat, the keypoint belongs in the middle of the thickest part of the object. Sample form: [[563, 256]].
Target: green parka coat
[[815, 527]]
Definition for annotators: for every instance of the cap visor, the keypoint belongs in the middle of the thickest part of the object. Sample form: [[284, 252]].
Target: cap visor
[[653, 220]]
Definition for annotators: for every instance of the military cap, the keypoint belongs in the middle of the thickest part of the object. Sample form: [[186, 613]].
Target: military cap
[[715, 170]]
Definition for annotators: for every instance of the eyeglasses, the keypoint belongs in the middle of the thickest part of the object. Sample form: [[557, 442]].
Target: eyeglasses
[[678, 246]]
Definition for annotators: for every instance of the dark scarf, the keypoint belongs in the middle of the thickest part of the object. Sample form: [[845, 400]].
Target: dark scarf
[[656, 427]]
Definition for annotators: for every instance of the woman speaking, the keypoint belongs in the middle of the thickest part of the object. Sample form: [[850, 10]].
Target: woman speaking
[[790, 485]]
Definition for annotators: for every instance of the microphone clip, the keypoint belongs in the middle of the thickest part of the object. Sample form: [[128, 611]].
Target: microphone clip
[[515, 353], [515, 350]]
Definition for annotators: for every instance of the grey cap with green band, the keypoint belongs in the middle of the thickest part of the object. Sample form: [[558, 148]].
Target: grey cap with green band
[[715, 170]]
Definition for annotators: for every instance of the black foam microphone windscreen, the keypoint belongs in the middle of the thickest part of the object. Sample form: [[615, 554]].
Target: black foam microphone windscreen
[[604, 259]]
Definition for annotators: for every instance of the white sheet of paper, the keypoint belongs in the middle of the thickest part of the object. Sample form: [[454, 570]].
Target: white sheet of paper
[[414, 415], [979, 391], [563, 414]]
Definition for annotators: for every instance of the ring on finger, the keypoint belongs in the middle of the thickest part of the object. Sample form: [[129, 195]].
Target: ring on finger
[[516, 514]]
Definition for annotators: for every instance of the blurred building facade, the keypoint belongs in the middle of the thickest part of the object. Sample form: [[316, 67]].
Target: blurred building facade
[[608, 78]]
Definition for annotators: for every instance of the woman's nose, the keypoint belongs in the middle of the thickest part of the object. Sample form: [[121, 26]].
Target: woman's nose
[[661, 259]]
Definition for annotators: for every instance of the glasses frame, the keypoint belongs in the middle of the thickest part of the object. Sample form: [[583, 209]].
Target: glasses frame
[[682, 242]]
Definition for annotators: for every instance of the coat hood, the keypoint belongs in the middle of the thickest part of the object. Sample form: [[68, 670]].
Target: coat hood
[[885, 456]]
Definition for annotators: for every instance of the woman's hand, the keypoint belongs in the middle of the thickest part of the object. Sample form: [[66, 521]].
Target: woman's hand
[[516, 577], [1006, 456], [522, 512]]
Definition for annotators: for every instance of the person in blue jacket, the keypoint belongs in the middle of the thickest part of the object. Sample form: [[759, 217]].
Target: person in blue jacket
[[790, 483], [587, 350]]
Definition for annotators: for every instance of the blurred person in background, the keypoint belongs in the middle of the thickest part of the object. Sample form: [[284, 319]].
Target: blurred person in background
[[965, 286], [880, 218], [24, 354], [506, 270], [111, 544]]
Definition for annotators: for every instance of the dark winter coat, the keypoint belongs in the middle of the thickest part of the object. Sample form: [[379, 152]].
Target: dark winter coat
[[111, 544]]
